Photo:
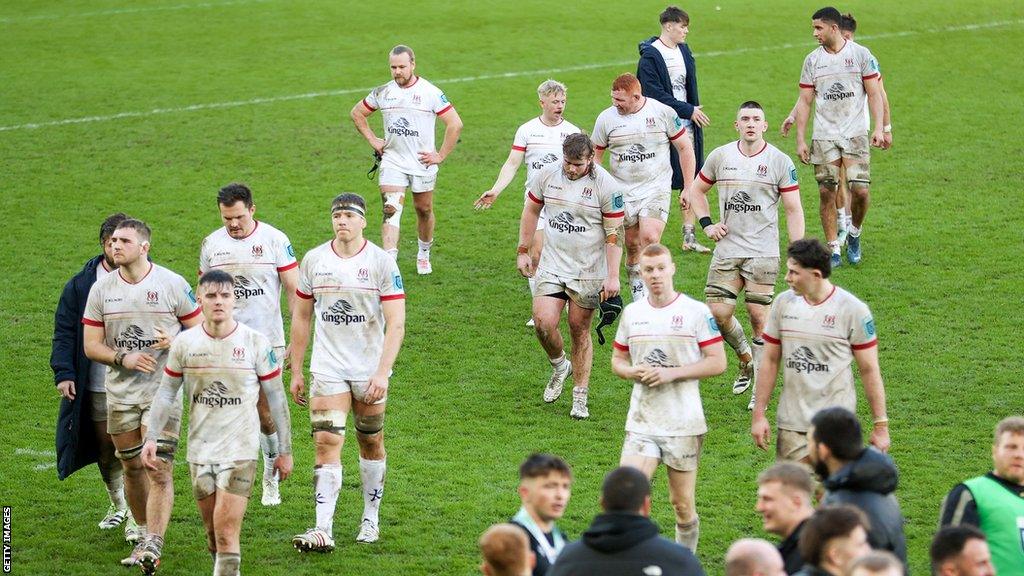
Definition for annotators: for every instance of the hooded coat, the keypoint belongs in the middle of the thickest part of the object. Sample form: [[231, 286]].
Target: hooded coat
[[624, 544]]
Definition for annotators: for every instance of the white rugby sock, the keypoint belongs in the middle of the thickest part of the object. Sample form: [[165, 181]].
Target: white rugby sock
[[841, 217], [393, 252], [424, 247], [269, 445], [326, 485], [372, 474], [227, 564], [734, 336], [558, 363], [636, 284], [834, 245], [115, 485], [688, 534], [853, 231]]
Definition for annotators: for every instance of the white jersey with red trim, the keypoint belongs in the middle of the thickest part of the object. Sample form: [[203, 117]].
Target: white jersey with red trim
[[838, 83], [347, 293], [817, 342], [129, 315], [221, 378], [638, 146], [670, 336], [98, 370], [542, 144], [256, 262], [676, 65], [576, 209], [409, 118], [749, 190]]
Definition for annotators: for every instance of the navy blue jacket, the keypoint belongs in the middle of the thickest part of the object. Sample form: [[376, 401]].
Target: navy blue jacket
[[76, 441], [655, 83]]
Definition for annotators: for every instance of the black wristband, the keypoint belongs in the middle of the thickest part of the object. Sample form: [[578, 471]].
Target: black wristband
[[704, 222]]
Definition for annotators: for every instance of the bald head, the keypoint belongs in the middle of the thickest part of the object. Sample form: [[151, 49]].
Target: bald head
[[506, 551], [753, 557]]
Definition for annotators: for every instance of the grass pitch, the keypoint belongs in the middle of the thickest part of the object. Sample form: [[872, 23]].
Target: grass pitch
[[148, 107]]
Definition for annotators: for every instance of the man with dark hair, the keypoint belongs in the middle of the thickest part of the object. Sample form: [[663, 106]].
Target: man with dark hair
[[222, 368], [668, 74], [834, 537], [580, 261], [130, 319], [838, 78], [752, 177], [664, 345], [961, 551], [994, 502], [545, 485], [821, 330], [262, 262], [859, 476], [356, 292], [623, 540], [410, 106], [80, 384], [785, 497], [506, 552], [638, 133]]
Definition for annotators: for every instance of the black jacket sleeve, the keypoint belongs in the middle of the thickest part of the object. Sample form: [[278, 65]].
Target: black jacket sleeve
[[959, 507], [65, 335], [647, 73]]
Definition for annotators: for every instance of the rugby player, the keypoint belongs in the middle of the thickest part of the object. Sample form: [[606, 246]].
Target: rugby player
[[261, 260], [752, 177], [222, 366], [580, 261], [838, 77], [665, 344], [356, 292], [636, 131], [410, 105], [130, 319], [816, 331], [539, 142]]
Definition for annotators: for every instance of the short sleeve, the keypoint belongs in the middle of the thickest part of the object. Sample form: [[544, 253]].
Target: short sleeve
[[534, 186], [389, 279], [304, 288], [519, 141], [807, 72], [600, 134], [707, 329], [869, 66], [284, 254], [772, 326], [612, 202], [371, 102], [185, 305], [93, 315], [709, 172], [441, 103], [787, 176], [862, 327], [673, 123], [268, 365], [621, 341], [204, 257], [174, 367]]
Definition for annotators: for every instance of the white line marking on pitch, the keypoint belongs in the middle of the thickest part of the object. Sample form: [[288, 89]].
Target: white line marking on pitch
[[309, 95], [41, 467], [119, 11], [31, 452]]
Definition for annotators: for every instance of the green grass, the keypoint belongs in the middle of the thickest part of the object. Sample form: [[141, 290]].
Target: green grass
[[940, 270]]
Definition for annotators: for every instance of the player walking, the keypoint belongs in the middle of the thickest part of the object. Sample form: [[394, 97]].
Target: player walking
[[356, 291]]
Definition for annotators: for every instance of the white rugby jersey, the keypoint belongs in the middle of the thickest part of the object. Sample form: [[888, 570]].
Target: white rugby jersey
[[670, 336], [839, 96], [638, 146], [676, 65], [409, 115], [817, 352], [576, 209], [749, 190], [542, 144], [348, 334], [98, 370], [256, 262], [129, 315], [221, 378]]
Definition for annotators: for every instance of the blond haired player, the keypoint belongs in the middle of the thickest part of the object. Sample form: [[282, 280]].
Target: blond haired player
[[356, 292], [262, 262], [130, 318], [539, 143], [665, 344], [752, 177], [637, 132], [410, 105], [223, 366], [580, 261]]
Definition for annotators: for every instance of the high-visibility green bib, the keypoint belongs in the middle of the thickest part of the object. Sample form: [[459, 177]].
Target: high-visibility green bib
[[1002, 520]]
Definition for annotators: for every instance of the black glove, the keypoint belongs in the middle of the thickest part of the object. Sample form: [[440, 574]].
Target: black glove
[[610, 310], [377, 156]]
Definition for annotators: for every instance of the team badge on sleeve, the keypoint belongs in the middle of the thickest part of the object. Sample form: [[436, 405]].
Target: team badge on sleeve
[[617, 201], [869, 326], [679, 122], [712, 325], [792, 174], [290, 251], [444, 98], [396, 280], [191, 295]]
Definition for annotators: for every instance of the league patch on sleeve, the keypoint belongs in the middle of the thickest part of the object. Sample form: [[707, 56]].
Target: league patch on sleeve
[[444, 99], [869, 326], [873, 64], [396, 281], [712, 325], [191, 295], [679, 122], [792, 174], [617, 201], [271, 357], [290, 251]]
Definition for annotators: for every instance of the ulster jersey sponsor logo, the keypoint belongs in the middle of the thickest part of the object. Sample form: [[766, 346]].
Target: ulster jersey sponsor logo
[[401, 127], [636, 153], [245, 288], [214, 396], [837, 93], [565, 222], [342, 313], [657, 357], [803, 360], [544, 161], [679, 83], [741, 202], [133, 338]]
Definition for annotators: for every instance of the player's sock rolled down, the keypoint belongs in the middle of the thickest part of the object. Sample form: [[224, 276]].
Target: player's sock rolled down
[[326, 485], [853, 231], [558, 363], [227, 564], [115, 485], [424, 246], [372, 472], [734, 336], [688, 534]]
